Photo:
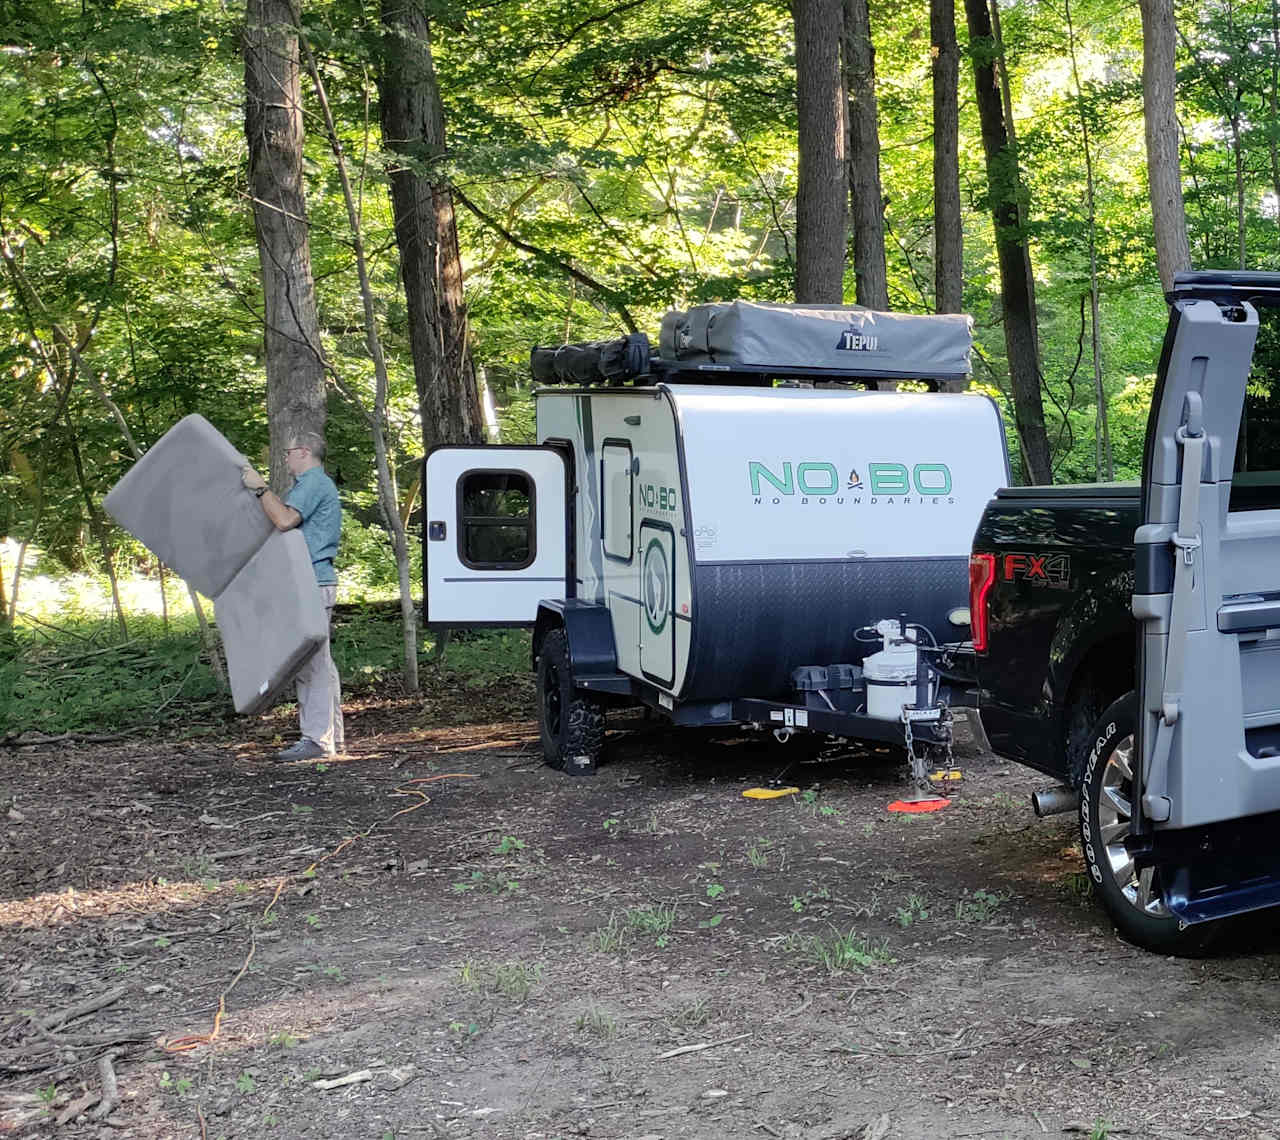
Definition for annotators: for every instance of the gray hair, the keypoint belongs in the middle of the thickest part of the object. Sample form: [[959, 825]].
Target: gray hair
[[313, 442]]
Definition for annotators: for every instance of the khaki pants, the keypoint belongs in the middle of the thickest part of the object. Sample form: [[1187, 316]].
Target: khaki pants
[[320, 691]]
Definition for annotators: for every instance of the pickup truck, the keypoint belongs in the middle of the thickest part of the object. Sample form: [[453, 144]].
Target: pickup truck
[[1127, 635]]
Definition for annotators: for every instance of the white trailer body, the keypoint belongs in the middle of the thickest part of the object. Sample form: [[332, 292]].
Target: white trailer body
[[729, 534]]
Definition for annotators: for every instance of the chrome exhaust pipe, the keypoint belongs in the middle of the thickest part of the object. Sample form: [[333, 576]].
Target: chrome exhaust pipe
[[1054, 801]]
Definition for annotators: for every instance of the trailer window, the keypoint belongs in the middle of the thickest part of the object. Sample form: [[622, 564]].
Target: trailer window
[[618, 526], [495, 520]]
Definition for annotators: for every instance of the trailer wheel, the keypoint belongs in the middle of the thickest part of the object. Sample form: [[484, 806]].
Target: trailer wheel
[[570, 722], [1131, 898]]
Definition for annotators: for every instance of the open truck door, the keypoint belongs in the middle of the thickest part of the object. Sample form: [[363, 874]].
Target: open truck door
[[494, 536], [1204, 791]]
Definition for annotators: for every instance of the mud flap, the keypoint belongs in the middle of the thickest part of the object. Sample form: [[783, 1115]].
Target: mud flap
[[1218, 870]]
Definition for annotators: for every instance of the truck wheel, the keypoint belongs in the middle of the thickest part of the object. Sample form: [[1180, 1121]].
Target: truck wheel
[[570, 722], [1131, 898]]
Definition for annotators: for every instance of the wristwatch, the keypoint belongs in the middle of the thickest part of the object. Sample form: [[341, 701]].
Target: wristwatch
[[258, 492]]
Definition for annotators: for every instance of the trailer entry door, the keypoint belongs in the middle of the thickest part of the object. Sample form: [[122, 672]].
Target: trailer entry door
[[657, 601], [1207, 597], [495, 539]]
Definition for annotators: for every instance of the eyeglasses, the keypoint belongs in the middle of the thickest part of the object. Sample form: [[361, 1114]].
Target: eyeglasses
[[299, 447]]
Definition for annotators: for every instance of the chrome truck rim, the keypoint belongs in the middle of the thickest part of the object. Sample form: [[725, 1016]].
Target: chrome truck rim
[[1115, 814]]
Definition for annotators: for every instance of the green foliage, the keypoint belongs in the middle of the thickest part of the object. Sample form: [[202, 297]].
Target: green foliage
[[914, 910], [980, 906], [513, 980], [79, 680], [657, 919], [74, 674], [838, 951], [598, 1023], [651, 148]]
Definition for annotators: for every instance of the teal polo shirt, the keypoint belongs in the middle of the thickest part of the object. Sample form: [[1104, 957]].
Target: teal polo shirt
[[315, 498]]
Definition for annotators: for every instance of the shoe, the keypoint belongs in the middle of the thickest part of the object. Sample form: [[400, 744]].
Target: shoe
[[305, 749]]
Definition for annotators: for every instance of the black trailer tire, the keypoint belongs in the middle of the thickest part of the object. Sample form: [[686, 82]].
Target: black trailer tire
[[1129, 898], [570, 721]]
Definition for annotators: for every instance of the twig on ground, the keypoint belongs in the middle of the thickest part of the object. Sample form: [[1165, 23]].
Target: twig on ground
[[110, 1089], [683, 1049], [89, 1005], [24, 740], [237, 852], [76, 1107], [55, 628], [124, 1037], [808, 1001], [350, 1079], [77, 657], [476, 834], [492, 745], [592, 898], [765, 1128]]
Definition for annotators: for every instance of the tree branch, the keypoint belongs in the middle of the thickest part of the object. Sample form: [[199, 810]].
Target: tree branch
[[586, 279]]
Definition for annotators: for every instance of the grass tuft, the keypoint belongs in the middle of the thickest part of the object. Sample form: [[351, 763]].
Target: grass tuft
[[837, 952]]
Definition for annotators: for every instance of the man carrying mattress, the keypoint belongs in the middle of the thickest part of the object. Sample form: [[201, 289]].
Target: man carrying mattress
[[311, 504]]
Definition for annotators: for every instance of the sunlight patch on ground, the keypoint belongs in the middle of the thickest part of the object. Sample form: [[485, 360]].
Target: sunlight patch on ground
[[137, 898], [86, 596]]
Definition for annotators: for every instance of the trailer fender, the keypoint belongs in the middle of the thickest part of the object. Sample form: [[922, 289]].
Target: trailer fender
[[589, 630]]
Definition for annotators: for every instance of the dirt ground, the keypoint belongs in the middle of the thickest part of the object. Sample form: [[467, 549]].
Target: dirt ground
[[505, 951]]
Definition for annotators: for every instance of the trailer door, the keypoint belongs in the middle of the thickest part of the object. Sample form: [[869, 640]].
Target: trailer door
[[1207, 597], [657, 549], [495, 537]]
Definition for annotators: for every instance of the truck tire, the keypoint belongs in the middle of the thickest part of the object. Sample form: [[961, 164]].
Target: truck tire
[[570, 721], [1130, 899]]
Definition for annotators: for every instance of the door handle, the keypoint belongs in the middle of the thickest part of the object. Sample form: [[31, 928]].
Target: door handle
[[435, 531]]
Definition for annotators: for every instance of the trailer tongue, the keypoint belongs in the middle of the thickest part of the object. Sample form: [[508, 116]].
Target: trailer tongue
[[758, 529]]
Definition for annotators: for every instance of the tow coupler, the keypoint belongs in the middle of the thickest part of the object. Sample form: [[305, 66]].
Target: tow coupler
[[902, 695]]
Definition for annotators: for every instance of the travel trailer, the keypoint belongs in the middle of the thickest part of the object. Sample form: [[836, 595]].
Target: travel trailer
[[758, 527]]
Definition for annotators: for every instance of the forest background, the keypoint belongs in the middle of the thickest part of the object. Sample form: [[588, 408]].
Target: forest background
[[604, 162]]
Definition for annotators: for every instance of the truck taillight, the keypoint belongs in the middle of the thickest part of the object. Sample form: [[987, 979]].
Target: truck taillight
[[982, 575]]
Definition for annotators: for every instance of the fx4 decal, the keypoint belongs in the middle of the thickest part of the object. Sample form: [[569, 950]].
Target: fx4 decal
[[1053, 570]]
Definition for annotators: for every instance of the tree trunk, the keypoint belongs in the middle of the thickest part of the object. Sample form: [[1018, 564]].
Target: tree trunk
[[948, 229], [273, 128], [871, 280], [1164, 181], [1103, 467], [388, 496], [99, 531], [1237, 153], [1015, 282], [426, 230], [1237, 145], [35, 531], [1011, 140], [1273, 124], [820, 188]]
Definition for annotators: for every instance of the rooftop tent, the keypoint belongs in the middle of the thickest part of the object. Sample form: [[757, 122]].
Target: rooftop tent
[[833, 338]]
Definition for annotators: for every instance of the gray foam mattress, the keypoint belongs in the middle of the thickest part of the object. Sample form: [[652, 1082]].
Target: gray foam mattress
[[270, 624], [184, 500]]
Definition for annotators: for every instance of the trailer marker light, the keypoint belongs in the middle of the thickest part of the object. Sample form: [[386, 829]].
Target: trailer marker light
[[982, 576]]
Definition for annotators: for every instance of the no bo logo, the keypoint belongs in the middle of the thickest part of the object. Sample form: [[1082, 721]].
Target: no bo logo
[[821, 478]]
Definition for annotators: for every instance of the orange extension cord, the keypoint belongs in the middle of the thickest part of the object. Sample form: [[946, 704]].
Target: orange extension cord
[[195, 1040]]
